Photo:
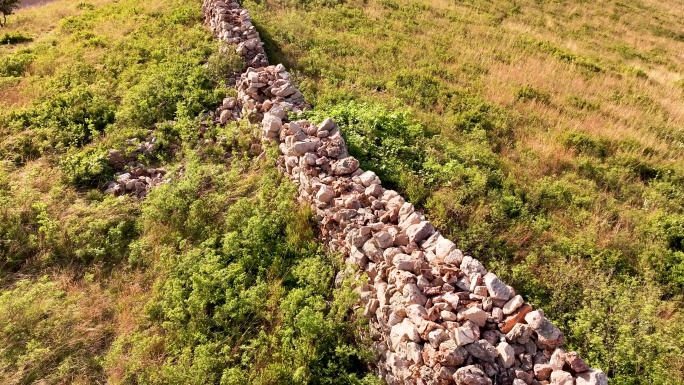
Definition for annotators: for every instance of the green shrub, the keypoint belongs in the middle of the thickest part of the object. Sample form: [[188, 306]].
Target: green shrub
[[88, 167], [642, 169], [85, 6], [247, 296], [10, 38], [635, 350], [164, 92], [310, 4], [528, 93], [41, 336], [222, 64], [15, 65], [18, 229], [586, 144], [387, 142], [586, 64], [76, 23], [418, 88], [70, 118], [184, 15], [583, 104]]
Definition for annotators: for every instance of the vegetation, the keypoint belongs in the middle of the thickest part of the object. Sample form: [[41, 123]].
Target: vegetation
[[545, 138], [215, 278], [7, 8]]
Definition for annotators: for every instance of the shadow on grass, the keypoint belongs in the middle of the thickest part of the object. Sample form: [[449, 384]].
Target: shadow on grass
[[273, 50], [14, 38]]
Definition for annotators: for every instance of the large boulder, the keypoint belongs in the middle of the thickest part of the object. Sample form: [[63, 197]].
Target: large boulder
[[450, 354], [470, 265], [325, 194], [496, 288], [506, 354], [420, 231], [482, 350], [477, 315], [466, 334], [576, 363], [513, 305], [403, 331], [560, 377]]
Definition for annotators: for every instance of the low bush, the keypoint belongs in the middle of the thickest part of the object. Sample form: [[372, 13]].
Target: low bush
[[248, 295], [87, 168], [14, 38], [585, 144], [528, 93], [47, 334], [583, 104], [387, 142], [16, 64]]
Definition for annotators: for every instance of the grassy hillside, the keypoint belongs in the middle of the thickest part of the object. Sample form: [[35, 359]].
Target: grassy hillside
[[215, 277], [546, 138]]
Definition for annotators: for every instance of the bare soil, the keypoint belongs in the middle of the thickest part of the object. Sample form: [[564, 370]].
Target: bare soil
[[33, 3]]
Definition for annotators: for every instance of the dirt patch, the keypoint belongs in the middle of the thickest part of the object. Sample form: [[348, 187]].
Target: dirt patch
[[33, 3]]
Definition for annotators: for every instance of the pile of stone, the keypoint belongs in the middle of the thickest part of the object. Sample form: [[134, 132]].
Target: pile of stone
[[437, 316], [233, 25], [229, 110], [132, 177], [259, 90]]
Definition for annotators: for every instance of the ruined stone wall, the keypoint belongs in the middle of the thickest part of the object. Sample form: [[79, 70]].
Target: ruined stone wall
[[437, 316]]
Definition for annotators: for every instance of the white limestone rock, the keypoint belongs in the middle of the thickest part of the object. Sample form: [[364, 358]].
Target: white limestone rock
[[496, 288]]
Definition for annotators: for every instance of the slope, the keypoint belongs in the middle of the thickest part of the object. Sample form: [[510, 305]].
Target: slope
[[545, 139]]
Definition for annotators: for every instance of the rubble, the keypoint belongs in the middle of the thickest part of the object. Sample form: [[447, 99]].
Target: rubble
[[132, 177]]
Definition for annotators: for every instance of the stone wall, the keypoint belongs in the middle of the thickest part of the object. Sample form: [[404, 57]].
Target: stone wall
[[437, 316], [232, 24]]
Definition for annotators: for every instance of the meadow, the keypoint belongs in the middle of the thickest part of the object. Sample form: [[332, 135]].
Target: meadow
[[545, 138]]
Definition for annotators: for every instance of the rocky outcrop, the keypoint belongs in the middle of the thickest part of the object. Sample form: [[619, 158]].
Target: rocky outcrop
[[437, 316]]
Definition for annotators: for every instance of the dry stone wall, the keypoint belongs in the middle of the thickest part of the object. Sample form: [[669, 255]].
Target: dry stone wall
[[232, 24], [437, 316]]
